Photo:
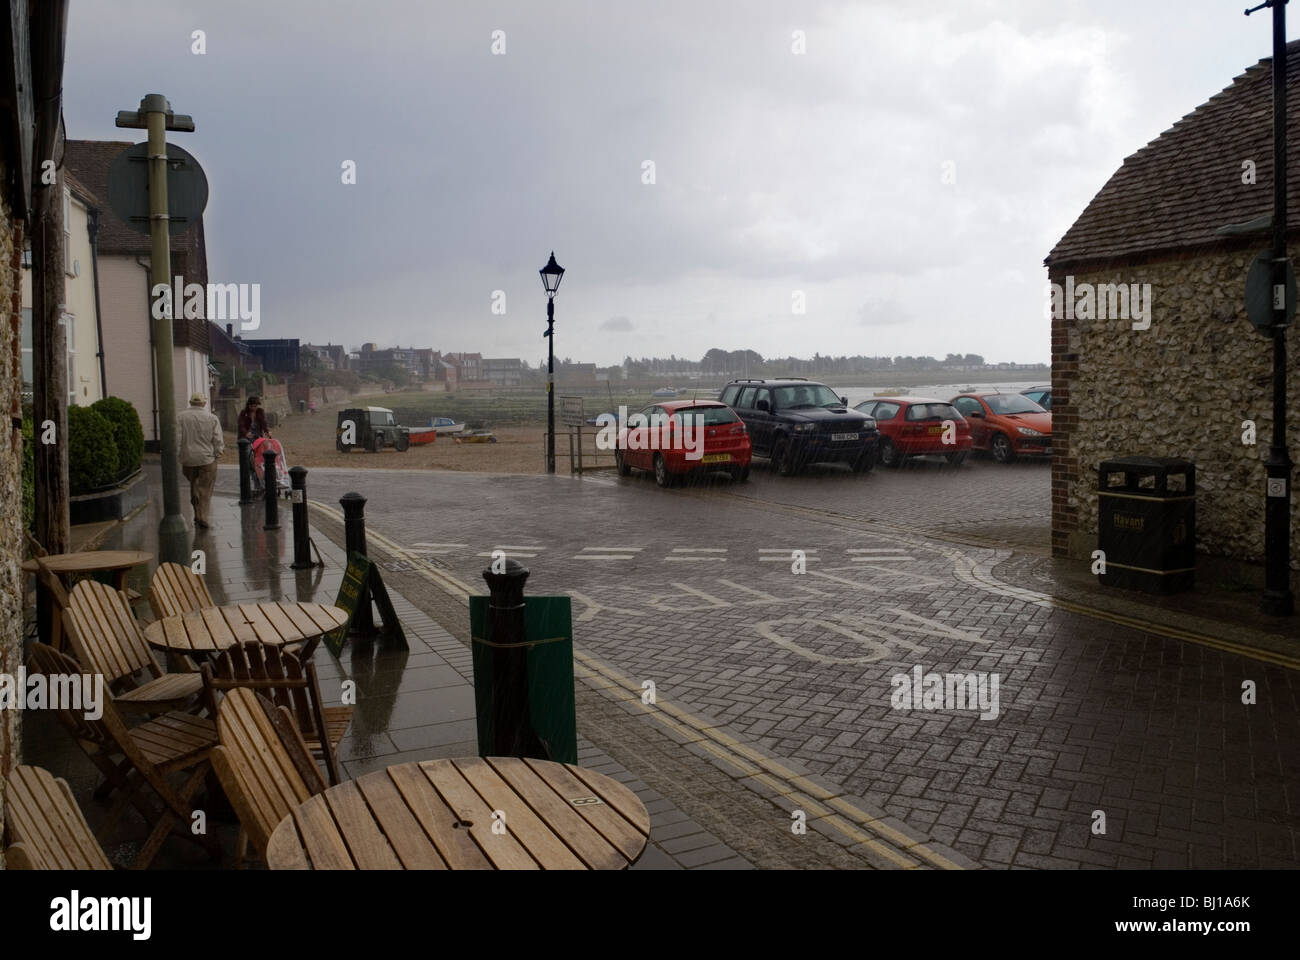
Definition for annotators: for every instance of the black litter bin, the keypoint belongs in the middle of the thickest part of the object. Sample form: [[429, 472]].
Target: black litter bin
[[1147, 523]]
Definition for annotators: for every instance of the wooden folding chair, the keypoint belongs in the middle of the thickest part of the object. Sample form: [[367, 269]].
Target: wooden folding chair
[[175, 589], [105, 636], [48, 580], [289, 683], [172, 743], [45, 827], [263, 766]]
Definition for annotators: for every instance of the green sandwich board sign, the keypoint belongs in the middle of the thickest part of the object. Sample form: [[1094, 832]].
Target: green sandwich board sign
[[361, 583], [546, 657]]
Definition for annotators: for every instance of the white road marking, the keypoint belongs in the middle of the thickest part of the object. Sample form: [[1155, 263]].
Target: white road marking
[[440, 545], [699, 549], [512, 553], [604, 556]]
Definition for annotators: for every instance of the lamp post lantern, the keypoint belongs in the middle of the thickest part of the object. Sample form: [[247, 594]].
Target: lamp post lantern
[[551, 275]]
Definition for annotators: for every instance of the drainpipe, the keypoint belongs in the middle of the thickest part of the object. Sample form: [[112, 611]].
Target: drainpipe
[[153, 373], [92, 227]]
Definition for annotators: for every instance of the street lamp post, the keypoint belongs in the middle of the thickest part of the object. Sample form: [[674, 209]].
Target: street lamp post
[[1277, 599], [551, 275]]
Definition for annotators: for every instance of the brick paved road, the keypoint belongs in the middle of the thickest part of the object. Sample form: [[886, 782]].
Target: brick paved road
[[693, 589]]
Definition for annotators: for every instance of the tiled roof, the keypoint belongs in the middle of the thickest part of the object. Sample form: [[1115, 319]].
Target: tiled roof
[[1175, 192]]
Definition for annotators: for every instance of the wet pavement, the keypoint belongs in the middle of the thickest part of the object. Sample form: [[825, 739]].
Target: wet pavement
[[741, 652]]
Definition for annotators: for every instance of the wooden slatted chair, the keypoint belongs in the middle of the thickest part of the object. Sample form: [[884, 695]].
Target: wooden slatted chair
[[45, 827], [263, 766], [48, 580], [175, 589], [144, 755], [288, 683], [105, 636]]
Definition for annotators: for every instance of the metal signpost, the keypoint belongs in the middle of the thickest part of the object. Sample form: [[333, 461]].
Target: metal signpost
[[155, 114]]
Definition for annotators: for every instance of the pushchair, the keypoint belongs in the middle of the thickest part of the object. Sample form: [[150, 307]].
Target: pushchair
[[260, 446]]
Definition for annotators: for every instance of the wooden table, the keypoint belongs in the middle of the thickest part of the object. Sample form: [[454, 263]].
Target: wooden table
[[67, 565], [439, 814], [213, 629]]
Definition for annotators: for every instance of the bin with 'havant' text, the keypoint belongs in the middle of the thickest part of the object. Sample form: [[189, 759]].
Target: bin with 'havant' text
[[1146, 524]]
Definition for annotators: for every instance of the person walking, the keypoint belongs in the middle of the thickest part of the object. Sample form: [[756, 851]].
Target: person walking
[[201, 446], [252, 425]]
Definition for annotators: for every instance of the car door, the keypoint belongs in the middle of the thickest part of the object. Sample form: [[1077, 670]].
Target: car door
[[971, 408], [759, 421]]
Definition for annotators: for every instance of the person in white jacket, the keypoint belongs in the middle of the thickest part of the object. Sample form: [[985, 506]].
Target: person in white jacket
[[201, 446]]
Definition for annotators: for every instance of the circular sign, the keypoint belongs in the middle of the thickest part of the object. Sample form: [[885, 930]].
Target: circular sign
[[128, 188], [1259, 293]]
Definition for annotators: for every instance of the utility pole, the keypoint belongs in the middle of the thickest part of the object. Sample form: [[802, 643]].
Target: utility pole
[[1277, 599], [155, 115]]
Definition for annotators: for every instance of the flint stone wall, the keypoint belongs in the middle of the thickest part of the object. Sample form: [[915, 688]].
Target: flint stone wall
[[1182, 388]]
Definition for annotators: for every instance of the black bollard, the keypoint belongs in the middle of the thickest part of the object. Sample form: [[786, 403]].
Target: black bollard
[[511, 732], [272, 491], [354, 539], [245, 471], [301, 532]]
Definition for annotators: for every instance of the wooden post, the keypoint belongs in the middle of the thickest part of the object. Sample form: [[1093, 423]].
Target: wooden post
[[49, 366]]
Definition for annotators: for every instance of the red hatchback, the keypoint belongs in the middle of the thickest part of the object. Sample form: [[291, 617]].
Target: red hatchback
[[918, 426], [682, 437]]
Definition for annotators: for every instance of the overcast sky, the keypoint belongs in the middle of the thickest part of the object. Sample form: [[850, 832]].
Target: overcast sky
[[775, 172]]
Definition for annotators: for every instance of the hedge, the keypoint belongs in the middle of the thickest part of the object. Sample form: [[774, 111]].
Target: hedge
[[92, 451], [127, 432]]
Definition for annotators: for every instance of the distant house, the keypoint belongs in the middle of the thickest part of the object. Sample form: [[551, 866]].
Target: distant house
[[81, 211], [469, 366], [331, 356], [125, 306], [445, 373], [575, 374], [1152, 353], [504, 372]]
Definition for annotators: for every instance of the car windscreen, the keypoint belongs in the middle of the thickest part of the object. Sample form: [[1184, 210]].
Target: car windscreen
[[805, 395], [1005, 403], [933, 411], [706, 416]]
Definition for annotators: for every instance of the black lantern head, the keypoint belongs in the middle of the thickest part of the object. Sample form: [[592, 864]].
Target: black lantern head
[[551, 274]]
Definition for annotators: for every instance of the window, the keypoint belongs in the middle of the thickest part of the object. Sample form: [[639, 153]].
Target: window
[[866, 406], [729, 395], [746, 401], [932, 411], [70, 331], [967, 405], [706, 416], [1005, 403], [27, 348], [67, 232], [886, 411], [806, 396]]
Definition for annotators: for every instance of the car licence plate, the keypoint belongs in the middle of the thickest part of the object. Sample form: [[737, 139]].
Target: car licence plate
[[840, 437], [934, 431], [716, 458]]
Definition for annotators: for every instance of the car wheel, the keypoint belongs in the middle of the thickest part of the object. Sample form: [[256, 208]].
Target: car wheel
[[889, 455], [623, 469], [662, 476], [865, 462], [376, 442], [740, 474], [402, 444], [1001, 448], [957, 459]]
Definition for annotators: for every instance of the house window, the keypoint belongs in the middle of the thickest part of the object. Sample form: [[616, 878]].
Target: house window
[[27, 349], [70, 330], [67, 232]]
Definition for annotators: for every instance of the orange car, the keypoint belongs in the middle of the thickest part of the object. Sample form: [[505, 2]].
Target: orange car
[[1008, 425]]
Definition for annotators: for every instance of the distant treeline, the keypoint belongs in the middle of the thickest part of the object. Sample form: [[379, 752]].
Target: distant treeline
[[718, 362]]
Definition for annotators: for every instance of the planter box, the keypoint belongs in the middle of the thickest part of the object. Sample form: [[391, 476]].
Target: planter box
[[111, 504]]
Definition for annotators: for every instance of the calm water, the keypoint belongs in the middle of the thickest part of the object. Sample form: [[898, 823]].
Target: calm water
[[942, 391]]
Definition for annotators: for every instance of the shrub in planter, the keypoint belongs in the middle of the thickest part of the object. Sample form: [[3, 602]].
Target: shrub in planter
[[92, 451], [127, 432]]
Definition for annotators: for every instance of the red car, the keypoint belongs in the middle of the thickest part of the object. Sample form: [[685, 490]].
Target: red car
[[917, 426], [681, 437], [1006, 424]]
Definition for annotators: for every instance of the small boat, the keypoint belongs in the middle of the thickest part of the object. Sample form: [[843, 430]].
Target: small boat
[[477, 436], [968, 389], [446, 425], [421, 435], [664, 393], [899, 392]]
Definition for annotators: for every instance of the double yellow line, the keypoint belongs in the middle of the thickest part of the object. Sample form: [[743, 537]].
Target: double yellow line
[[817, 803]]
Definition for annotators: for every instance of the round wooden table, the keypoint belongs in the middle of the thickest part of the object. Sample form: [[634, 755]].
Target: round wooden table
[[84, 562], [475, 813], [213, 629]]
